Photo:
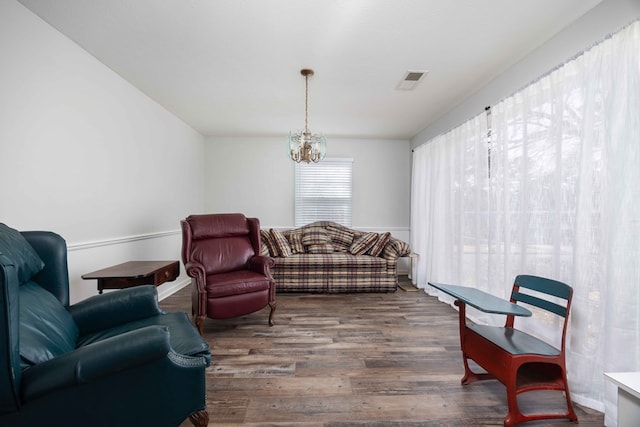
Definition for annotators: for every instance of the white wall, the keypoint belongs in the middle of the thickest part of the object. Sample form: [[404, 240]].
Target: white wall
[[606, 18], [254, 175], [87, 155]]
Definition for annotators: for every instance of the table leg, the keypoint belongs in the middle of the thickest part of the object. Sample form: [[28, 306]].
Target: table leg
[[469, 376]]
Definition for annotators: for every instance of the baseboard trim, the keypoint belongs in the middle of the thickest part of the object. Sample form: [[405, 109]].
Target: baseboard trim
[[170, 288]]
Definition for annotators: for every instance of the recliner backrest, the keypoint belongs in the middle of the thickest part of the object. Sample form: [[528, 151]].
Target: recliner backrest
[[220, 242], [10, 372], [52, 251]]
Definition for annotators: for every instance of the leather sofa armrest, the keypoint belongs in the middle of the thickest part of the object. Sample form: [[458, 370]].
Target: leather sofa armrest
[[111, 309], [261, 264], [94, 361]]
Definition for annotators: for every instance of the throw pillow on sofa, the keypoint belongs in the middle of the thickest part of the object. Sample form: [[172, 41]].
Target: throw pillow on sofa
[[379, 245], [268, 246], [362, 244], [295, 242], [341, 238], [315, 236], [281, 243]]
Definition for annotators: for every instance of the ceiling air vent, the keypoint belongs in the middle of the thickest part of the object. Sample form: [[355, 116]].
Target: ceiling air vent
[[411, 79]]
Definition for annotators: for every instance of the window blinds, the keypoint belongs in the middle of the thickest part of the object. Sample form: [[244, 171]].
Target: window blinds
[[323, 191]]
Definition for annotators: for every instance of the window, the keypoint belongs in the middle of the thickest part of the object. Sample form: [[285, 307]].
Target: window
[[324, 191]]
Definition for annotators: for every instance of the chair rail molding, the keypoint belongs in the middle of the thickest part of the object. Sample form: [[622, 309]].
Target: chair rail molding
[[119, 240]]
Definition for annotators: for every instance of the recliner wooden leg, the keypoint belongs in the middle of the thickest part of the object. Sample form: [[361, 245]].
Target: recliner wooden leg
[[199, 321], [273, 309], [200, 418]]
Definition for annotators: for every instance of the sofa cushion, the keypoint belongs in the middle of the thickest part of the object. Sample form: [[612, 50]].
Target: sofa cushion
[[315, 236], [362, 244], [335, 272], [15, 247], [380, 243], [324, 248], [47, 329], [281, 243]]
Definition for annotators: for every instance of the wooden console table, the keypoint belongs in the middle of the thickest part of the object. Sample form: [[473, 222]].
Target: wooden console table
[[134, 273]]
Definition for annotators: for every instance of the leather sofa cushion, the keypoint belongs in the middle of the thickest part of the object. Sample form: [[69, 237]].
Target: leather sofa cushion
[[15, 247], [47, 329], [235, 283], [183, 337]]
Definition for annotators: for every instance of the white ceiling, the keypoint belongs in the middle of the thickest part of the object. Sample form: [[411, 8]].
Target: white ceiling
[[232, 67]]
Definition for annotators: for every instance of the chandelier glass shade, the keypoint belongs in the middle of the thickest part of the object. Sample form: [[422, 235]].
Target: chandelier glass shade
[[306, 146]]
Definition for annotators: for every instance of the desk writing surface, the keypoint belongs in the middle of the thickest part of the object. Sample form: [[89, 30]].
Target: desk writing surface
[[481, 300]]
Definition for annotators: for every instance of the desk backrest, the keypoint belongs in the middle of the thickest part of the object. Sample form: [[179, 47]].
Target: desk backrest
[[546, 294]]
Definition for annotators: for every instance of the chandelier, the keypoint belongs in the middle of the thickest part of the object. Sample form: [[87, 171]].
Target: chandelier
[[305, 146]]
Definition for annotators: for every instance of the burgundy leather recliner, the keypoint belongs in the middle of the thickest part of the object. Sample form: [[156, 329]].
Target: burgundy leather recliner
[[221, 252]]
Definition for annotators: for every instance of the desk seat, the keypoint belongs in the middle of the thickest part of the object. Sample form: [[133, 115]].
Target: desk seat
[[514, 341]]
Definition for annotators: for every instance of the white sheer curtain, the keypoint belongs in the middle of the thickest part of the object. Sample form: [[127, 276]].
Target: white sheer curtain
[[562, 201], [449, 184]]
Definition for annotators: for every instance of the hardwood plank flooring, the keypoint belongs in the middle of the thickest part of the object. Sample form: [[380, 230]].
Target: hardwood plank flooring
[[343, 360]]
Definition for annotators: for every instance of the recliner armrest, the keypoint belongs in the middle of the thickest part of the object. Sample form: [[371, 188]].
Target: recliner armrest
[[196, 270], [95, 361], [105, 311], [262, 264]]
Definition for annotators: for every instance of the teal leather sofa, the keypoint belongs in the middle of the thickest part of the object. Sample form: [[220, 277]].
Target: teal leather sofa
[[111, 360]]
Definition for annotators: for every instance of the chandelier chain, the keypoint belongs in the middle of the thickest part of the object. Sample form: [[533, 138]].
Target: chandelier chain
[[306, 102]]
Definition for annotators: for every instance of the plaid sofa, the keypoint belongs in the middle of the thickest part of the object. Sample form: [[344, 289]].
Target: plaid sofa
[[328, 257]]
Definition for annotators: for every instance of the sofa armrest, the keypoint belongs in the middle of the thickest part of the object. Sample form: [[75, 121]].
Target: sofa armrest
[[395, 249], [105, 311], [95, 361], [261, 264]]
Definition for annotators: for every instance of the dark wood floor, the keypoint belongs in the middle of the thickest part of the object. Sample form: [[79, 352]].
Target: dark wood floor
[[349, 360]]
